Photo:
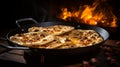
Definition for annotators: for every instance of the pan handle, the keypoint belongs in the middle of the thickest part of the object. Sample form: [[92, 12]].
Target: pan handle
[[11, 47], [20, 23]]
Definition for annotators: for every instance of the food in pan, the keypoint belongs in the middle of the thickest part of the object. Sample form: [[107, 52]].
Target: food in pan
[[60, 41], [54, 30], [84, 38], [32, 38], [57, 37]]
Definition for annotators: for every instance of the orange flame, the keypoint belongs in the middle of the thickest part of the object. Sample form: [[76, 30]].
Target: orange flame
[[90, 15]]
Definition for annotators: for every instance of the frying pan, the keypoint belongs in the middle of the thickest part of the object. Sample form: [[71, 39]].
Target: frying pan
[[69, 51]]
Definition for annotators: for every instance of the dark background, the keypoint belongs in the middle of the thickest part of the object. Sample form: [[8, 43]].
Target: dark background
[[13, 10]]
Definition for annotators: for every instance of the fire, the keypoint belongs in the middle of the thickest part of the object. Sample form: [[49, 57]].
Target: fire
[[91, 15]]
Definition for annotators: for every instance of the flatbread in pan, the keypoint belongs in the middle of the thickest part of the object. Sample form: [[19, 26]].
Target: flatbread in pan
[[57, 37], [83, 38], [32, 38], [54, 30]]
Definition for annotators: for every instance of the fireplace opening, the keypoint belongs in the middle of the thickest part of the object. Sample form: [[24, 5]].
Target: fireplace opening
[[98, 14]]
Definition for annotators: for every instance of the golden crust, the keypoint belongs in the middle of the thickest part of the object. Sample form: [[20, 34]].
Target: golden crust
[[83, 38], [32, 38], [54, 30]]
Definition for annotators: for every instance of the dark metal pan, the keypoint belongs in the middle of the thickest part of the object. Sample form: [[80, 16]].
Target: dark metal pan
[[79, 50]]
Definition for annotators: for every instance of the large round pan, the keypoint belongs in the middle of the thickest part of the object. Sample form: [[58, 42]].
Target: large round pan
[[78, 50]]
